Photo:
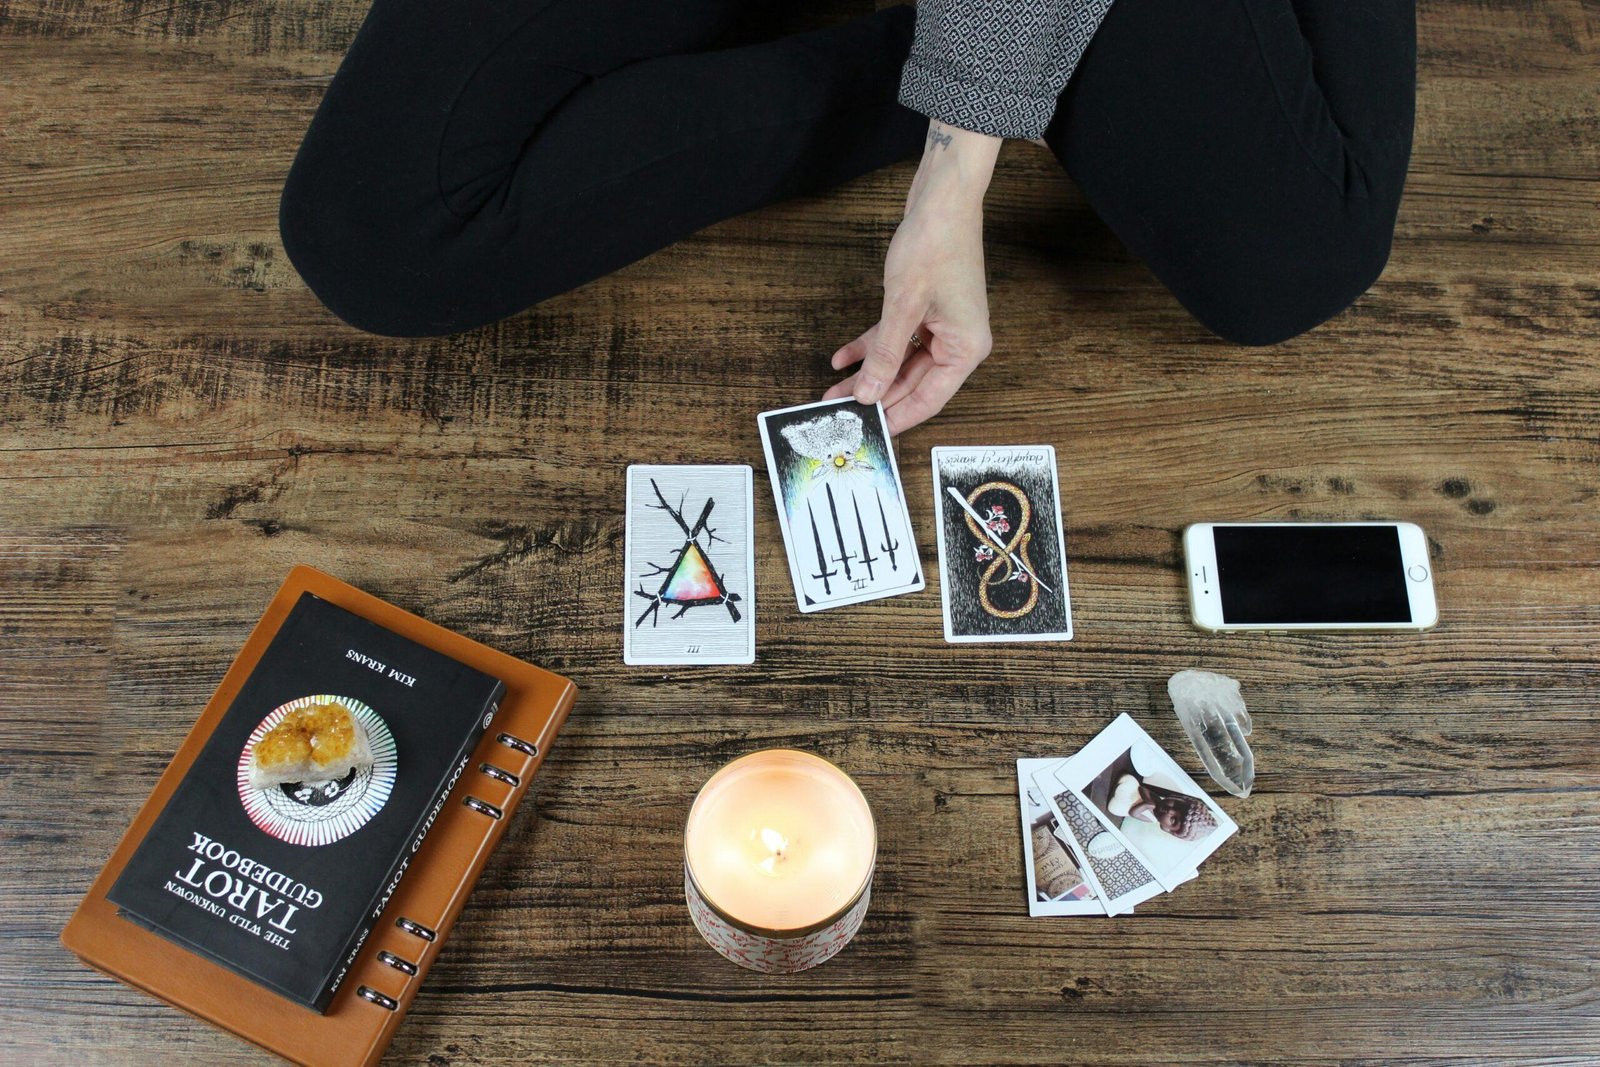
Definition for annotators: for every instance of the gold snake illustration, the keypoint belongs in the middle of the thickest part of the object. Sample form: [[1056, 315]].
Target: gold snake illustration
[[1020, 537]]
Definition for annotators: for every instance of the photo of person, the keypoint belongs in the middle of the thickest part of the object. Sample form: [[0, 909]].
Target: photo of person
[[1123, 792], [1149, 801]]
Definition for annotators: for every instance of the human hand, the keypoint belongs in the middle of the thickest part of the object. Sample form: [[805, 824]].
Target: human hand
[[934, 330]]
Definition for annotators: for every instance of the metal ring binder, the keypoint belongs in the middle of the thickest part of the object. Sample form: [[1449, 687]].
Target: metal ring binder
[[527, 748], [482, 806], [499, 775], [415, 928], [366, 992], [403, 966]]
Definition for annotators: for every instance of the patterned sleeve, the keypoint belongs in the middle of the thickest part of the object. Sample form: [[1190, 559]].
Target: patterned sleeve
[[996, 66]]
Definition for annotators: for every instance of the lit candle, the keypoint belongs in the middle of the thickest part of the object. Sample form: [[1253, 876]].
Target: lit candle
[[778, 858]]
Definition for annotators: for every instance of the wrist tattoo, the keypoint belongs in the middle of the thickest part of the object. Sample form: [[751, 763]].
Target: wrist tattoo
[[937, 138]]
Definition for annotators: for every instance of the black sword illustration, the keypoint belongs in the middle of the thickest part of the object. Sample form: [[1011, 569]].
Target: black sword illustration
[[889, 543], [838, 535], [822, 560], [861, 532]]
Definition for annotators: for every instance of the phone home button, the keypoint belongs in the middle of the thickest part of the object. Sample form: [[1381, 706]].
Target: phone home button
[[1417, 573]]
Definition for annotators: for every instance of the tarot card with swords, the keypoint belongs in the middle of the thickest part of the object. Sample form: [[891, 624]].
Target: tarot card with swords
[[840, 503]]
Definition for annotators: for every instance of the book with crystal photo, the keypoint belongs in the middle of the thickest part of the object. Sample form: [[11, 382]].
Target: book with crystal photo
[[281, 845]]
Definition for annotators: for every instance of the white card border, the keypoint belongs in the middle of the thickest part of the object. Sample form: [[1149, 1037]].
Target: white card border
[[950, 636], [1048, 908], [918, 584], [1128, 901], [748, 601]]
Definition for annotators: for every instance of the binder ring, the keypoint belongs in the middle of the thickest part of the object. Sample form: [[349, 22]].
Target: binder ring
[[366, 992], [416, 929], [403, 966], [499, 775], [481, 806], [527, 748]]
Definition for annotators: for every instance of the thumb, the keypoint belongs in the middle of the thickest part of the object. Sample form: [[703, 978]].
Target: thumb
[[887, 349]]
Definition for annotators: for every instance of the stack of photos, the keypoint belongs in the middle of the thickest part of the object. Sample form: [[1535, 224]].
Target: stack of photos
[[1112, 826]]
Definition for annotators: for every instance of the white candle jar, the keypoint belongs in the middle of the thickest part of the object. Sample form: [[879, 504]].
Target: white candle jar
[[779, 852]]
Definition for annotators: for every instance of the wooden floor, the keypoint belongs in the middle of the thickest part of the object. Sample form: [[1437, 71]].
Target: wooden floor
[[1416, 879]]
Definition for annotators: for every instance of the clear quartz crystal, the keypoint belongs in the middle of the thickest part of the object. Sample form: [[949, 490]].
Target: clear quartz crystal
[[1214, 717]]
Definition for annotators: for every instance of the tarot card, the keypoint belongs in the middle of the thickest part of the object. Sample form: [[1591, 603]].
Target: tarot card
[[1117, 876], [689, 549], [840, 503], [1056, 883], [1002, 555], [1149, 801]]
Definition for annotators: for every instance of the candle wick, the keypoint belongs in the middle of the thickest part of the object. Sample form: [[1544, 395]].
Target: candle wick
[[777, 845]]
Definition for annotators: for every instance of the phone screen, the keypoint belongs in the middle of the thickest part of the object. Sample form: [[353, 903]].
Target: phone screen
[[1311, 574]]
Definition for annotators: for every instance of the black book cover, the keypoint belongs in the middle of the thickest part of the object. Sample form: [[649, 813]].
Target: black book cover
[[283, 884]]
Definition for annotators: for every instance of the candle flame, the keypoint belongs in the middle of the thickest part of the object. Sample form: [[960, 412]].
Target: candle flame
[[775, 843]]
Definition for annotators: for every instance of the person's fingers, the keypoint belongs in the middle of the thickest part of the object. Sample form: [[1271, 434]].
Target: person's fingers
[[930, 395], [912, 372], [854, 352], [843, 387], [902, 317]]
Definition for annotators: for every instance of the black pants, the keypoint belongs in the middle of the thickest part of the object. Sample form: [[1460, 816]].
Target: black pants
[[472, 158]]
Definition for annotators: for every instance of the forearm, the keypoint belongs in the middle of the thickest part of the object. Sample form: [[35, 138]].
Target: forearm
[[955, 171]]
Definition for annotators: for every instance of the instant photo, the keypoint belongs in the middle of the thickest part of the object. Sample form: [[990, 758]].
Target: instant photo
[[1056, 884], [1150, 802], [1119, 878]]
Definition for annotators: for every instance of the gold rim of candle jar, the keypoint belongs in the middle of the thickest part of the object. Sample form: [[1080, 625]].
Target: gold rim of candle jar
[[794, 932]]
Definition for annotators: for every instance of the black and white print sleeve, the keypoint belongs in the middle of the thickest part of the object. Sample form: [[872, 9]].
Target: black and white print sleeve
[[996, 66]]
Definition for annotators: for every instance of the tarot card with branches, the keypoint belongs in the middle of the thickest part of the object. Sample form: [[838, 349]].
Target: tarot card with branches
[[689, 594]]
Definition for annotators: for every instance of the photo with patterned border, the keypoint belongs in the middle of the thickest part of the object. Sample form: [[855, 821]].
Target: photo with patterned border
[[1118, 877], [1056, 883], [1149, 802]]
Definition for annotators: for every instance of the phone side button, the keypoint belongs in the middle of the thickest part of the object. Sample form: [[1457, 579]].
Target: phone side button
[[1417, 573]]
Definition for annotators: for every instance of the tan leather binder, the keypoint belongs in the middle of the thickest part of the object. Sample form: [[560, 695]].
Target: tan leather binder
[[393, 963]]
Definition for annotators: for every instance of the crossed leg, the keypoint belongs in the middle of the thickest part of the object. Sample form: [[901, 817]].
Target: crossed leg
[[473, 158], [1250, 152]]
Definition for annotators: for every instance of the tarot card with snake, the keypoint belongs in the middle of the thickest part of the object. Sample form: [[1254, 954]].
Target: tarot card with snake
[[1002, 553]]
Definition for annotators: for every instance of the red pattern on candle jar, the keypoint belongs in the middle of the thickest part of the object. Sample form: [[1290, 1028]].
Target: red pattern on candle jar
[[774, 955]]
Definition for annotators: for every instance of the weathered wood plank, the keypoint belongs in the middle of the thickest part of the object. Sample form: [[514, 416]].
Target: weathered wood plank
[[180, 421]]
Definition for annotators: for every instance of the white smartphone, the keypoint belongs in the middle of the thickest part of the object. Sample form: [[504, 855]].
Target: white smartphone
[[1281, 576]]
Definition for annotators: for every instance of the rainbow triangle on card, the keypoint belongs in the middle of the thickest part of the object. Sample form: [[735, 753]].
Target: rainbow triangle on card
[[691, 579]]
